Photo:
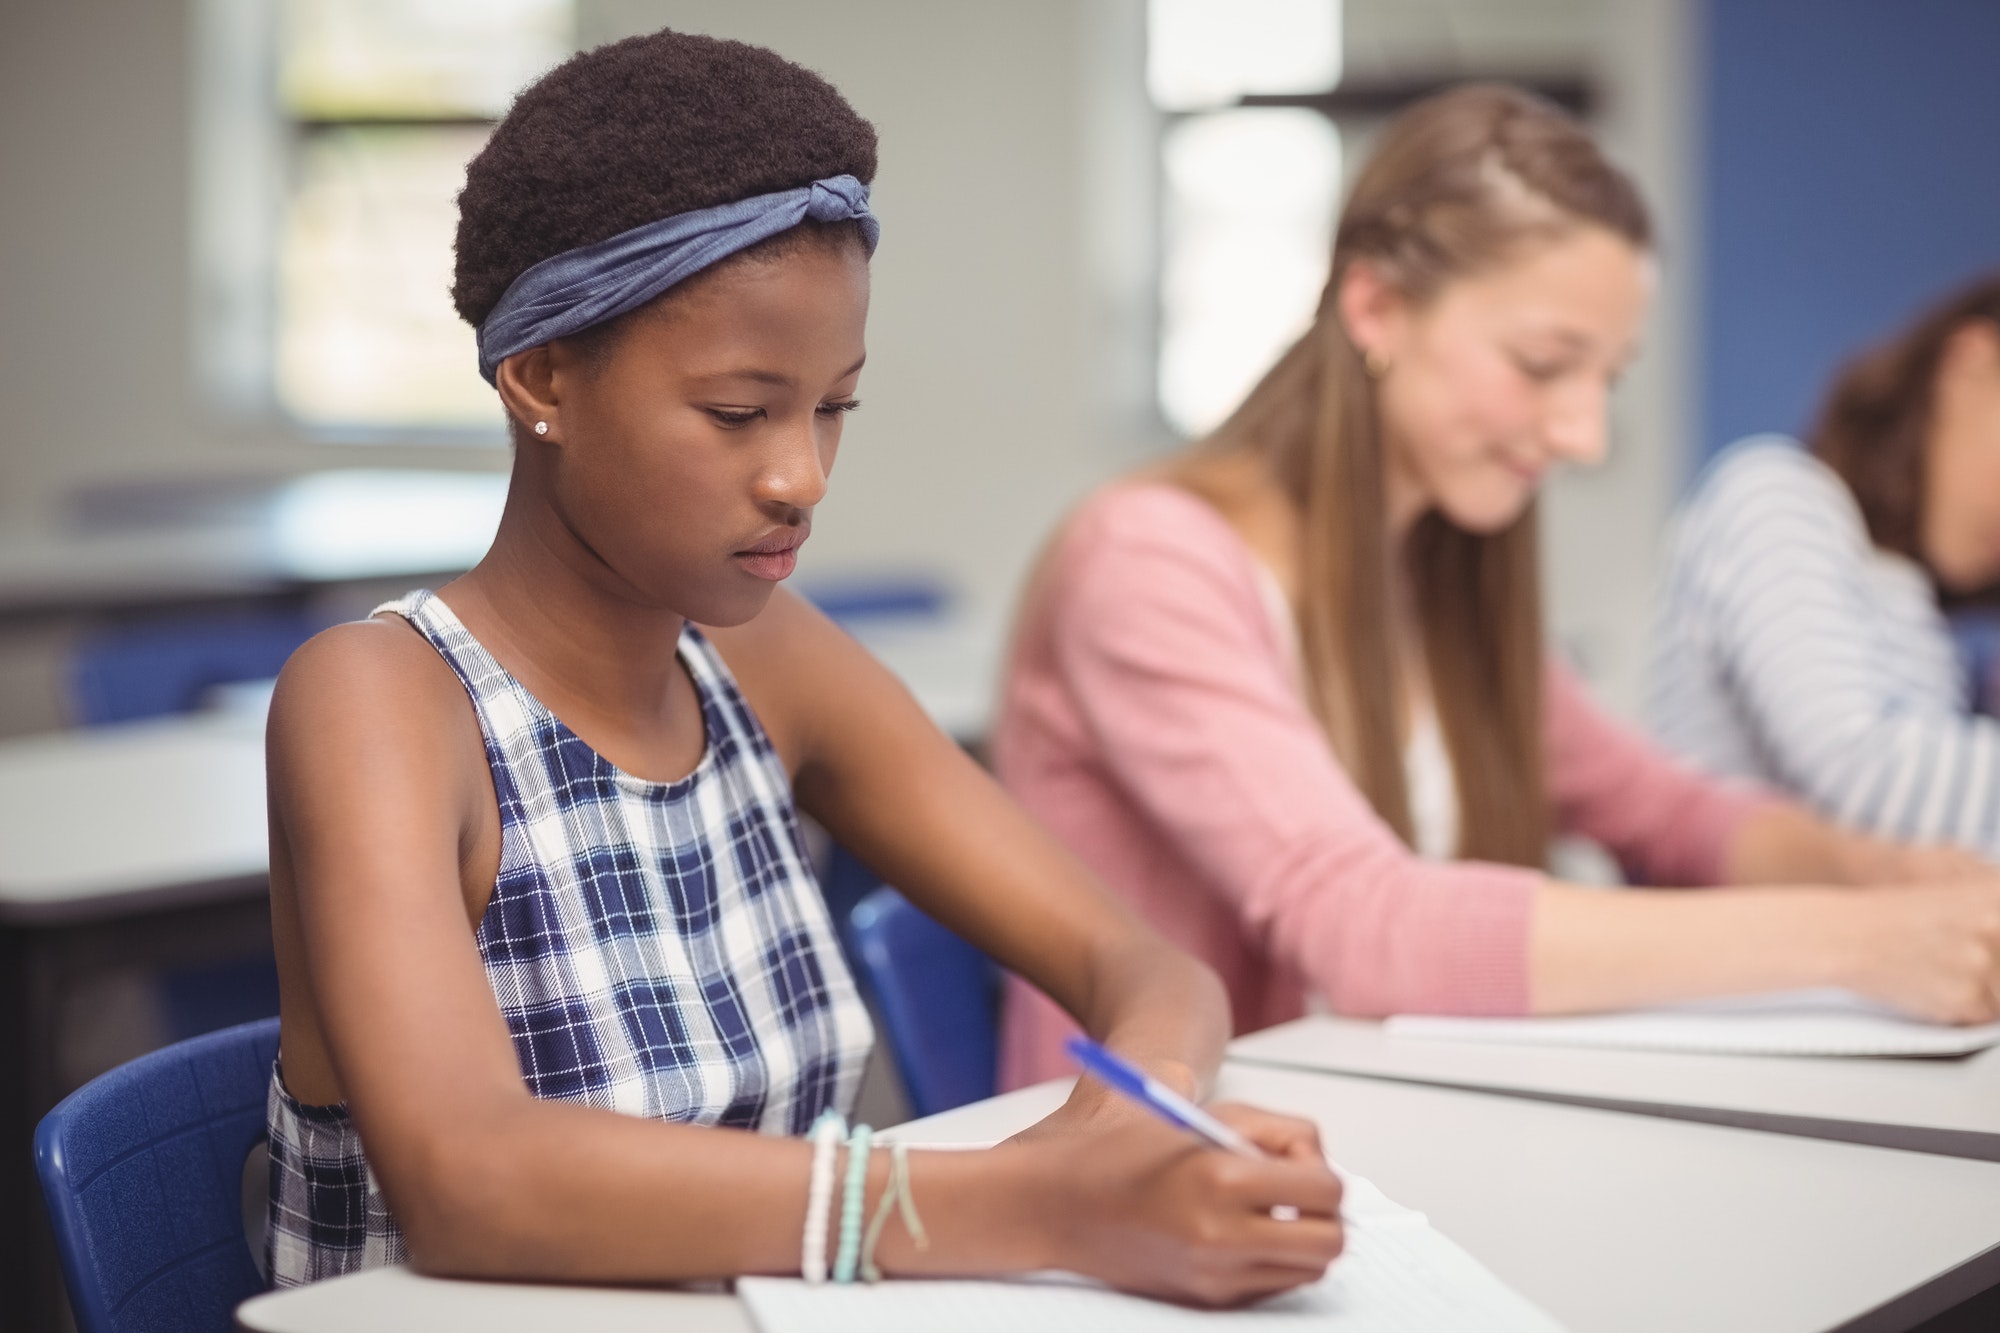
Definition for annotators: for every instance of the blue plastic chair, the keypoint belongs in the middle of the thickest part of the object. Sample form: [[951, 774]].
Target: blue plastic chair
[[938, 997], [153, 669], [142, 1169]]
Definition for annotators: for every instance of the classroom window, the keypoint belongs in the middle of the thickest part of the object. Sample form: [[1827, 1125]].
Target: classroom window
[[1248, 194], [333, 305]]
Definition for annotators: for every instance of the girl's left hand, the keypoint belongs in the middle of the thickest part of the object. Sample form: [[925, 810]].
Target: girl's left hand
[[1879, 861]]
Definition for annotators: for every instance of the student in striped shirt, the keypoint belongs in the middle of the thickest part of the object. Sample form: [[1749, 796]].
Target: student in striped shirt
[[1801, 638]]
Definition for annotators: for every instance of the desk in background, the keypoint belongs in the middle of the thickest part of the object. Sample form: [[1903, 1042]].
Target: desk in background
[[122, 850], [1607, 1221], [1949, 1106]]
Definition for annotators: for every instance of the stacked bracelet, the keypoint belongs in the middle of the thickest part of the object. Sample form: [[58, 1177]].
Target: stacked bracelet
[[850, 1205], [897, 1195], [827, 1132]]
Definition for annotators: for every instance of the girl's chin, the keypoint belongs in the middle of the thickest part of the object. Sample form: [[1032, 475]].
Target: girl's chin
[[1489, 514]]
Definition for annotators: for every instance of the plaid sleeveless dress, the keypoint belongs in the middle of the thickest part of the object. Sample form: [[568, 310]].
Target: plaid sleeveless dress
[[659, 949]]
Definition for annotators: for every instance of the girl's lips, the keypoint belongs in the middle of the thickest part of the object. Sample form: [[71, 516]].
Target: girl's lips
[[772, 565], [777, 555]]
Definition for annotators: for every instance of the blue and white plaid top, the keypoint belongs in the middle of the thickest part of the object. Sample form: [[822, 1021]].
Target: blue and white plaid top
[[659, 949]]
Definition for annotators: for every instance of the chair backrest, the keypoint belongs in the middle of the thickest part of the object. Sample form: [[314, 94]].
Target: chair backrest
[[160, 667], [142, 1169], [938, 997]]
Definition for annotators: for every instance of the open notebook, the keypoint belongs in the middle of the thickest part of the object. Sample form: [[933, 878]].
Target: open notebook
[[1398, 1275], [1818, 1022]]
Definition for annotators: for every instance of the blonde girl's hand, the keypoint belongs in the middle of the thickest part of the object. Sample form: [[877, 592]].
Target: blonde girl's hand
[[1868, 860], [1932, 951], [1150, 1209]]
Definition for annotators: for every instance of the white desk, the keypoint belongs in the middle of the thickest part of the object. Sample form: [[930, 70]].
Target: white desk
[[1608, 1221], [96, 822], [1947, 1106]]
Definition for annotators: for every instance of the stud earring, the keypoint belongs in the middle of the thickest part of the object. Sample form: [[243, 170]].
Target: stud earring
[[541, 428]]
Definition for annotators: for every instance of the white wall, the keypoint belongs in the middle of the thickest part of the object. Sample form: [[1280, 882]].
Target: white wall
[[96, 363], [1604, 528]]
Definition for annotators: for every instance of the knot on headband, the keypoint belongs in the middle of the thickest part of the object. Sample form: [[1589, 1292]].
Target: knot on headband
[[572, 291]]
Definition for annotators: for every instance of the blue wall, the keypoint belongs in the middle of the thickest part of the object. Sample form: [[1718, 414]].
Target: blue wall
[[1851, 172]]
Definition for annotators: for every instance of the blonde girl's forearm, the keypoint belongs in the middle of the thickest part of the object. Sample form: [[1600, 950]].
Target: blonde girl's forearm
[[1595, 949]]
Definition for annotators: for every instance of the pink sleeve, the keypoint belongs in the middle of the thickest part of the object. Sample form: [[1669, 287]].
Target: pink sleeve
[[1162, 639], [1665, 823]]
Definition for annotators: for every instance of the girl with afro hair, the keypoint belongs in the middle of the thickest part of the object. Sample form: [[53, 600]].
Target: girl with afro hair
[[560, 996]]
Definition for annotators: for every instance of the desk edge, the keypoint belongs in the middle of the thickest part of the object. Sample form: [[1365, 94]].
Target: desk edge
[[1967, 1143]]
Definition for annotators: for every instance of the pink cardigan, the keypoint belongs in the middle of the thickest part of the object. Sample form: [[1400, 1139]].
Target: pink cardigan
[[1152, 719]]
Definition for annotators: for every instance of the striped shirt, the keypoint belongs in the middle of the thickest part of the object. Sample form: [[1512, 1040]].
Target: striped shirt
[[657, 948], [1791, 650]]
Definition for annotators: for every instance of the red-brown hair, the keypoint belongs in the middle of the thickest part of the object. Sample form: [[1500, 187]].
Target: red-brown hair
[[1875, 424]]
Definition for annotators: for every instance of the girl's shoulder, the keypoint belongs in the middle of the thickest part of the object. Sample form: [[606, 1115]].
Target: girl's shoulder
[[1138, 556], [1769, 475], [1151, 518], [373, 680], [379, 668]]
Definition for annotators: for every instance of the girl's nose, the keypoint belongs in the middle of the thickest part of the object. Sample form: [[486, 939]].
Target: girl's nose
[[795, 475], [1578, 428]]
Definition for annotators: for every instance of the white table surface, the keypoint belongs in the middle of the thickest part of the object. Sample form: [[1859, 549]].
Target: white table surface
[[160, 813], [1608, 1221], [1933, 1105]]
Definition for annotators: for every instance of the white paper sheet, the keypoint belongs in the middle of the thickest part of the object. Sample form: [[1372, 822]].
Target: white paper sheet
[[1398, 1275], [1819, 1022]]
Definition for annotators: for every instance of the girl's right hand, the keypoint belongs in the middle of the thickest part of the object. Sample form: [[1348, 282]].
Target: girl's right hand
[[1932, 951], [1149, 1209]]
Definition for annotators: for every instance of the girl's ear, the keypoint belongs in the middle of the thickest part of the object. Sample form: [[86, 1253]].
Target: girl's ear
[[526, 381], [1371, 310]]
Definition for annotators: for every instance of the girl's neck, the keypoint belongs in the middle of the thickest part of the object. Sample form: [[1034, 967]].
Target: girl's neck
[[576, 635]]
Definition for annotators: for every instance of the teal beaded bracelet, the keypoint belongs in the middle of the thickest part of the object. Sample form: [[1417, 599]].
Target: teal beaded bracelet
[[849, 1253]]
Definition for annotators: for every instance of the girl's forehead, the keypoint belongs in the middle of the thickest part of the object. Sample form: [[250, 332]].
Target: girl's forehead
[[1589, 281], [793, 320]]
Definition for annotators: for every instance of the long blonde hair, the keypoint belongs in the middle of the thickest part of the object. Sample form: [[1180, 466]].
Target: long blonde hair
[[1459, 183]]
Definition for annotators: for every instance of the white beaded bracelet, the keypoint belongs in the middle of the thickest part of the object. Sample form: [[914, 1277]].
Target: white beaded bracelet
[[828, 1132]]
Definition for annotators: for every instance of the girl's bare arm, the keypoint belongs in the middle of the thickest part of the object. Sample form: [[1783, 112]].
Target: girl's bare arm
[[895, 791], [376, 781]]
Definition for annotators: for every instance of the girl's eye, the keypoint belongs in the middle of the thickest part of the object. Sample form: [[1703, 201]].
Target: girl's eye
[[1539, 371], [732, 417], [835, 409]]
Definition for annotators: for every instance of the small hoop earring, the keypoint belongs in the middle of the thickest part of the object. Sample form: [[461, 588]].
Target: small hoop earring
[[541, 428], [1374, 365]]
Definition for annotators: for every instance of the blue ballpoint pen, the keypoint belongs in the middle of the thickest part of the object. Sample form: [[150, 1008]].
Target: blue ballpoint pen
[[1156, 1096]]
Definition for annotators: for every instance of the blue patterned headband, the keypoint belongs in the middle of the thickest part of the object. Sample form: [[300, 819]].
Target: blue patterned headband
[[570, 292]]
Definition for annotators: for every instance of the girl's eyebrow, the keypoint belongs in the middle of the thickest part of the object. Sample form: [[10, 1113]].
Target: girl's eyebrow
[[1569, 337], [775, 378]]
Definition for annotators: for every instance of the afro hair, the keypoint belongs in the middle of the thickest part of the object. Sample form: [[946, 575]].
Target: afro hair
[[640, 130]]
